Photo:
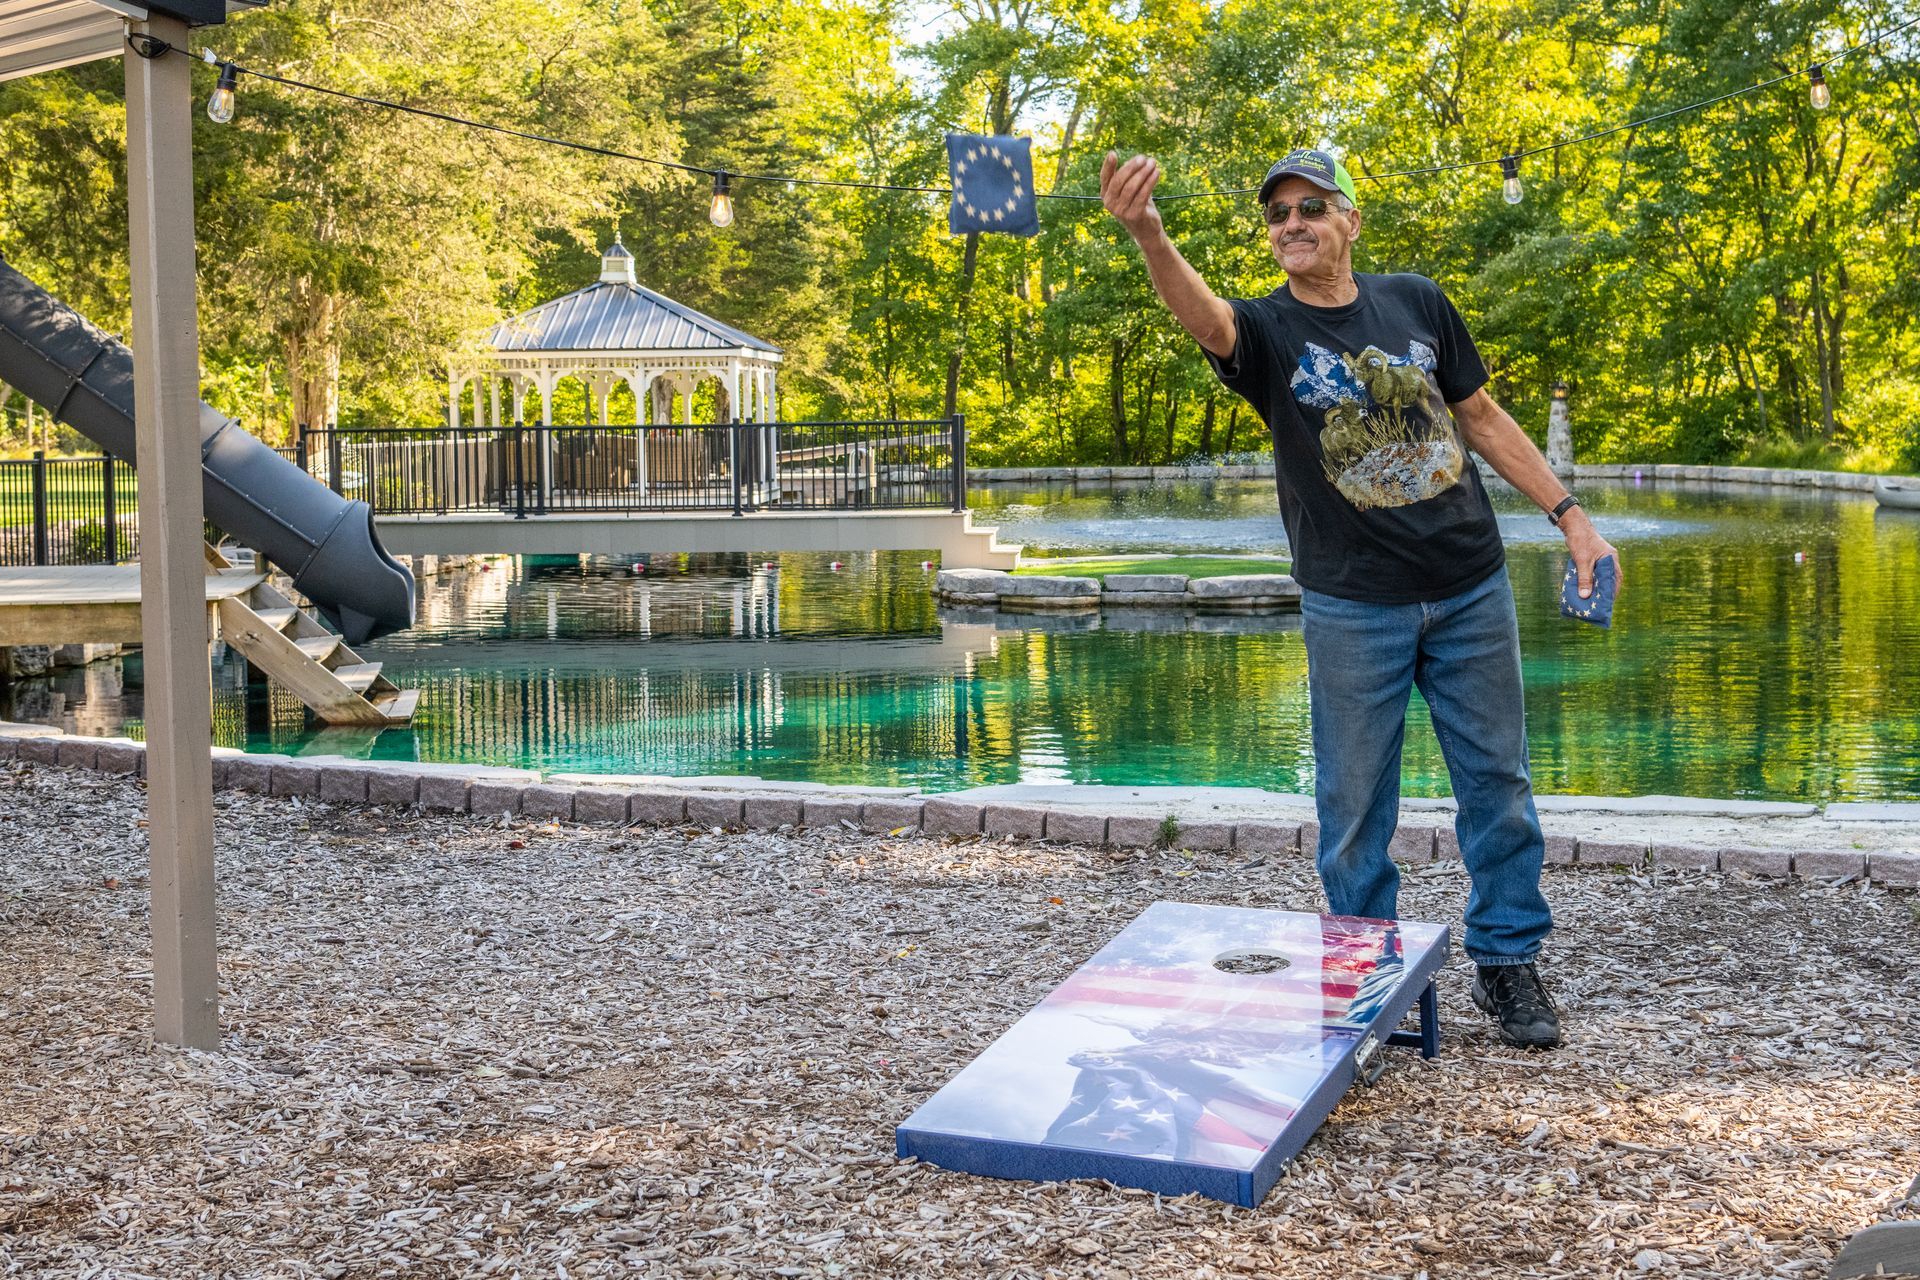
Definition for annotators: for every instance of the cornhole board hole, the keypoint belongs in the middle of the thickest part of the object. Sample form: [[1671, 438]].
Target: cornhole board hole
[[1198, 1051]]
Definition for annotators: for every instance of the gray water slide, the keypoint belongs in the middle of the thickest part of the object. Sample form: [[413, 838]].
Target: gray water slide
[[327, 543]]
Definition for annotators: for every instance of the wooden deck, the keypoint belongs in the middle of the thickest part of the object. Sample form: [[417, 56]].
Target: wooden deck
[[93, 604]]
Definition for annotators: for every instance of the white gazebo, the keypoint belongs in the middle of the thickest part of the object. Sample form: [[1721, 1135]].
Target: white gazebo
[[617, 332]]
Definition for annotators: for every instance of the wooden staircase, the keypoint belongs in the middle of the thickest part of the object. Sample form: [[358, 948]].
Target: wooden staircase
[[316, 665]]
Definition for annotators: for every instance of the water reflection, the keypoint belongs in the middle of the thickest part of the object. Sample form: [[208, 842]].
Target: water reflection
[[1766, 646]]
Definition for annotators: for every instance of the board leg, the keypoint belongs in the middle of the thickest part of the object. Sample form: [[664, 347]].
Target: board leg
[[1427, 1038]]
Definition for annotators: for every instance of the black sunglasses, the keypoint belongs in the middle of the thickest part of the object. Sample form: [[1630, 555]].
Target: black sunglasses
[[1310, 208]]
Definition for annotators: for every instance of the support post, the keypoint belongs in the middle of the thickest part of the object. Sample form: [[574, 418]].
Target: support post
[[733, 462], [109, 515], [334, 480], [42, 529], [173, 566], [959, 426]]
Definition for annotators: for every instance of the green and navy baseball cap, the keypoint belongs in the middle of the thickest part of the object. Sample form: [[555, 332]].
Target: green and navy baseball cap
[[1317, 167]]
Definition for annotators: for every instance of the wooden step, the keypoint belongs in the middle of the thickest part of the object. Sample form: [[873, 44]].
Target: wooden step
[[357, 676], [319, 648], [398, 707], [278, 618]]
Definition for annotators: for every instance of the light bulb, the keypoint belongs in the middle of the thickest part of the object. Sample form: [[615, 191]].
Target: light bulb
[[220, 105], [721, 211], [1817, 91], [1510, 186]]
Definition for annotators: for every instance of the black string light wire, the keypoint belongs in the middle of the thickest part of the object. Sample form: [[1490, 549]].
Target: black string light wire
[[1818, 91]]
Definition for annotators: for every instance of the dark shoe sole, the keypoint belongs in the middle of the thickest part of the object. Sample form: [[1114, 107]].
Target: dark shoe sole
[[1485, 1005]]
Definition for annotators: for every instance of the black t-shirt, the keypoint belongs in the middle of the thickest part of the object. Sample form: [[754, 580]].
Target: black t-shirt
[[1379, 496]]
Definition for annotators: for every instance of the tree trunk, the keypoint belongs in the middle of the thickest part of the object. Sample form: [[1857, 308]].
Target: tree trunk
[[1822, 361], [958, 353], [1233, 420], [1141, 444], [1173, 417], [1206, 428], [1117, 400], [313, 359]]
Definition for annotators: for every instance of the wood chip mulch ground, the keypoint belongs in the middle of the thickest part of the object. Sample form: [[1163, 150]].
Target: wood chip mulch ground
[[458, 1048]]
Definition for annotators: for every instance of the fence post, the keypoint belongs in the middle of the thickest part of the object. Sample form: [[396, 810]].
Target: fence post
[[543, 463], [42, 553], [334, 481], [300, 448], [108, 514], [519, 461], [733, 463], [959, 461]]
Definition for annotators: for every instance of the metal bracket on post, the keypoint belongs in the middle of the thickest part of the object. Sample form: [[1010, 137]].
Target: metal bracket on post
[[1369, 1060]]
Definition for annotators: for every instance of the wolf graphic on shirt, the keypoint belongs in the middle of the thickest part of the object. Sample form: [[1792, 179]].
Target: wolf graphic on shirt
[[1388, 440]]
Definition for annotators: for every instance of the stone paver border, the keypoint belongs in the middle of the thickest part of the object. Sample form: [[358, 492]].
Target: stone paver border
[[1856, 482], [713, 803], [1037, 593]]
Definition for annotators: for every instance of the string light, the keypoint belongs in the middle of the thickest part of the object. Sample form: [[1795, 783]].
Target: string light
[[1510, 174], [220, 105], [1817, 91], [721, 211]]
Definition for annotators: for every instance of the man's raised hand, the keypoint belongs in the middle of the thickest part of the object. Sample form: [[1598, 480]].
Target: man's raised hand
[[1127, 192]]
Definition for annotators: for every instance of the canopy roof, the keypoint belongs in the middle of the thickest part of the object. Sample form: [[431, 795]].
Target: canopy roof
[[41, 35], [610, 316]]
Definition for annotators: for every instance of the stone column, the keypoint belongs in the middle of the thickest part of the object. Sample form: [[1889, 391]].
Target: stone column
[[1560, 433]]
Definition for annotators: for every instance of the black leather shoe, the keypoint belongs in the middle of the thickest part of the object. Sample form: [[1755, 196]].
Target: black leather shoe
[[1513, 995]]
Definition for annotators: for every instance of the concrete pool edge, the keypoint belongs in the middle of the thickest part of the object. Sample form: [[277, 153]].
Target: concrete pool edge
[[1878, 843]]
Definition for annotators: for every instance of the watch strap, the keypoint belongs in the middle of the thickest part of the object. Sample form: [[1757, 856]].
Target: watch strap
[[1566, 504]]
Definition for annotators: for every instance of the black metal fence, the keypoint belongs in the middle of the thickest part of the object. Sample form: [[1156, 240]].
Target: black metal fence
[[68, 511], [86, 510], [739, 467]]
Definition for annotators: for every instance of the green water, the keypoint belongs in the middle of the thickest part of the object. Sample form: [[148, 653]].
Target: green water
[[1734, 669]]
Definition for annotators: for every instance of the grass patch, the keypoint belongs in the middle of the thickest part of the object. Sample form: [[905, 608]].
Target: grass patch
[[1191, 566], [1815, 455]]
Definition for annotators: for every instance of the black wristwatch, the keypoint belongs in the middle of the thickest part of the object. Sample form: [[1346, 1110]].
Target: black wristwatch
[[1566, 504]]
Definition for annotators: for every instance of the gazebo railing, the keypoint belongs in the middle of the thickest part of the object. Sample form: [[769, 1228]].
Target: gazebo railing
[[738, 467]]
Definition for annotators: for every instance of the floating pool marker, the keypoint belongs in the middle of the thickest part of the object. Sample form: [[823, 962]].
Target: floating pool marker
[[768, 564], [925, 565], [835, 566], [1197, 1052], [1799, 557]]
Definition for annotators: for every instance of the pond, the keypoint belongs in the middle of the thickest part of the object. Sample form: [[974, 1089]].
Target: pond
[[1767, 646]]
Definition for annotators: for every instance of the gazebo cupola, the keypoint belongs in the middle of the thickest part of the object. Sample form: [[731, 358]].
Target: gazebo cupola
[[616, 264]]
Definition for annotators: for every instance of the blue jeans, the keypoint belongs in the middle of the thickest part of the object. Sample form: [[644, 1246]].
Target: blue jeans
[[1464, 653]]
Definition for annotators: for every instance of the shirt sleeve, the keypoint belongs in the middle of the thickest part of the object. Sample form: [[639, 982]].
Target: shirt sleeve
[[1250, 367], [1460, 370]]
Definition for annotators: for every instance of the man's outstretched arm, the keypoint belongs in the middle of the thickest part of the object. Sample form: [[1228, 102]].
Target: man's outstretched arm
[[1491, 432], [1127, 192]]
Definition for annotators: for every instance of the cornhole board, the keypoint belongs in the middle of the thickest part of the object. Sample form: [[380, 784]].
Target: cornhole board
[[1154, 1067]]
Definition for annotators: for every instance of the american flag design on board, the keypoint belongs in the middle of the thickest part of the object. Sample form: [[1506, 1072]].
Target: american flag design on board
[[1233, 1055], [1151, 1051]]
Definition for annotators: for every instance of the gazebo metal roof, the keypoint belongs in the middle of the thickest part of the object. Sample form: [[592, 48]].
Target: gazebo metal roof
[[609, 316]]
